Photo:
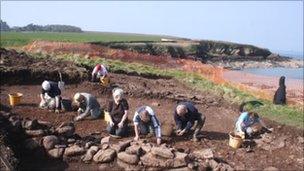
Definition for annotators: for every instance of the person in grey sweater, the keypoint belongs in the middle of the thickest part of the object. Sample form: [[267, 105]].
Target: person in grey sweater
[[88, 106]]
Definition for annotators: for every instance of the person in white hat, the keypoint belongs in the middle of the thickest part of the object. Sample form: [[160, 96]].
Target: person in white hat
[[118, 110], [50, 96], [88, 106]]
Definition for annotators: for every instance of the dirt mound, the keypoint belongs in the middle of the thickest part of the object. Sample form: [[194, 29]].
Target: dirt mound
[[20, 68], [94, 50]]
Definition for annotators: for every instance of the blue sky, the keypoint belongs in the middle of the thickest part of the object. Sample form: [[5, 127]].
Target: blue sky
[[274, 25]]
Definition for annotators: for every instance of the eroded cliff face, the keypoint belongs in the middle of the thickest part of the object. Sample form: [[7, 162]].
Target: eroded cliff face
[[204, 49], [220, 49]]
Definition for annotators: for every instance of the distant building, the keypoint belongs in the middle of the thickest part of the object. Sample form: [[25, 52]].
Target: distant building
[[167, 40]]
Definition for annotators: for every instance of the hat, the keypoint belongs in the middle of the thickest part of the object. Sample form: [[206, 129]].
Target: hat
[[46, 85], [77, 97], [117, 92], [98, 66]]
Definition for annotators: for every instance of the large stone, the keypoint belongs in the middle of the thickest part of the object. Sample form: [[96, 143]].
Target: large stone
[[134, 149], [45, 123], [71, 141], [162, 152], [104, 156], [56, 152], [128, 158], [31, 143], [90, 154], [180, 160], [105, 140], [74, 150], [151, 160], [203, 153], [35, 133], [30, 124], [212, 164], [50, 141], [146, 147], [88, 144], [193, 166], [66, 129], [121, 146]]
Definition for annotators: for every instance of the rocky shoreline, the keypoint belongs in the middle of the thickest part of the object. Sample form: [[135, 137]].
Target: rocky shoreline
[[283, 62]]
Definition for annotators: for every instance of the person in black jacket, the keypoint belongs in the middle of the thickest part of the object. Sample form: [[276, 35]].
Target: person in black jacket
[[280, 94], [185, 115], [50, 96]]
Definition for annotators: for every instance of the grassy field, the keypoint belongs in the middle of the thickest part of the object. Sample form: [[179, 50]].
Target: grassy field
[[288, 115], [9, 39]]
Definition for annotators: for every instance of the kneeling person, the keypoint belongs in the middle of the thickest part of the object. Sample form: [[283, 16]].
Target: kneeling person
[[118, 110], [50, 96], [145, 122], [100, 73], [88, 106], [185, 115], [245, 121]]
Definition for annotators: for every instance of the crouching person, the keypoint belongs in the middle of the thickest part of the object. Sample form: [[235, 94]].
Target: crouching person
[[245, 122], [88, 106], [100, 73], [185, 115], [50, 96], [118, 111], [145, 122]]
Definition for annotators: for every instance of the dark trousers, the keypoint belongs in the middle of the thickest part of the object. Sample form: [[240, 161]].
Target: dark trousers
[[115, 130], [145, 129], [199, 124]]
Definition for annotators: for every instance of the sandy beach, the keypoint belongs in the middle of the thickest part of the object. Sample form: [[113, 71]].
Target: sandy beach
[[268, 84]]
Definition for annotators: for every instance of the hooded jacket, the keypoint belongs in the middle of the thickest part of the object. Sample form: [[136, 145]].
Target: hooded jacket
[[280, 94]]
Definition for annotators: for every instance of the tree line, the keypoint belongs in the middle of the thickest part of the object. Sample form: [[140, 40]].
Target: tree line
[[46, 28]]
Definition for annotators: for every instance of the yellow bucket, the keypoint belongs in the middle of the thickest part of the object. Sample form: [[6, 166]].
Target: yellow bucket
[[235, 141], [107, 117], [105, 81], [15, 98]]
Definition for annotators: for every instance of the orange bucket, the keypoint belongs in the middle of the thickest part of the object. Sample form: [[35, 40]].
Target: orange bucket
[[15, 98]]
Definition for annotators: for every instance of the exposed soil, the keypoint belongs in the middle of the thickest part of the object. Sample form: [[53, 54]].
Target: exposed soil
[[19, 68], [220, 120], [92, 50], [268, 85], [285, 150]]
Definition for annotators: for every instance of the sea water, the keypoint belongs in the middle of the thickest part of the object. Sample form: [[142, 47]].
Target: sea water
[[289, 73]]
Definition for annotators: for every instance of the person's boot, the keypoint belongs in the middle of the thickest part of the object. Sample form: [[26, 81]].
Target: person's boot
[[195, 138]]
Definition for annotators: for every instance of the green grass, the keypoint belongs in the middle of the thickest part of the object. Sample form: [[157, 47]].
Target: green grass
[[15, 39], [288, 115]]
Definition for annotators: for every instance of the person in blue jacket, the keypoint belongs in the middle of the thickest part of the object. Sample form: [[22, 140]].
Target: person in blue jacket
[[246, 120], [185, 115]]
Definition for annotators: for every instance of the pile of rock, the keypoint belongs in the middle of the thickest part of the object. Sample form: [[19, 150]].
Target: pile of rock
[[42, 139], [268, 142]]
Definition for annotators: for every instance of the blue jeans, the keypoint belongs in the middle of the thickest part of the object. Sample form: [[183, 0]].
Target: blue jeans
[[115, 130], [145, 129]]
